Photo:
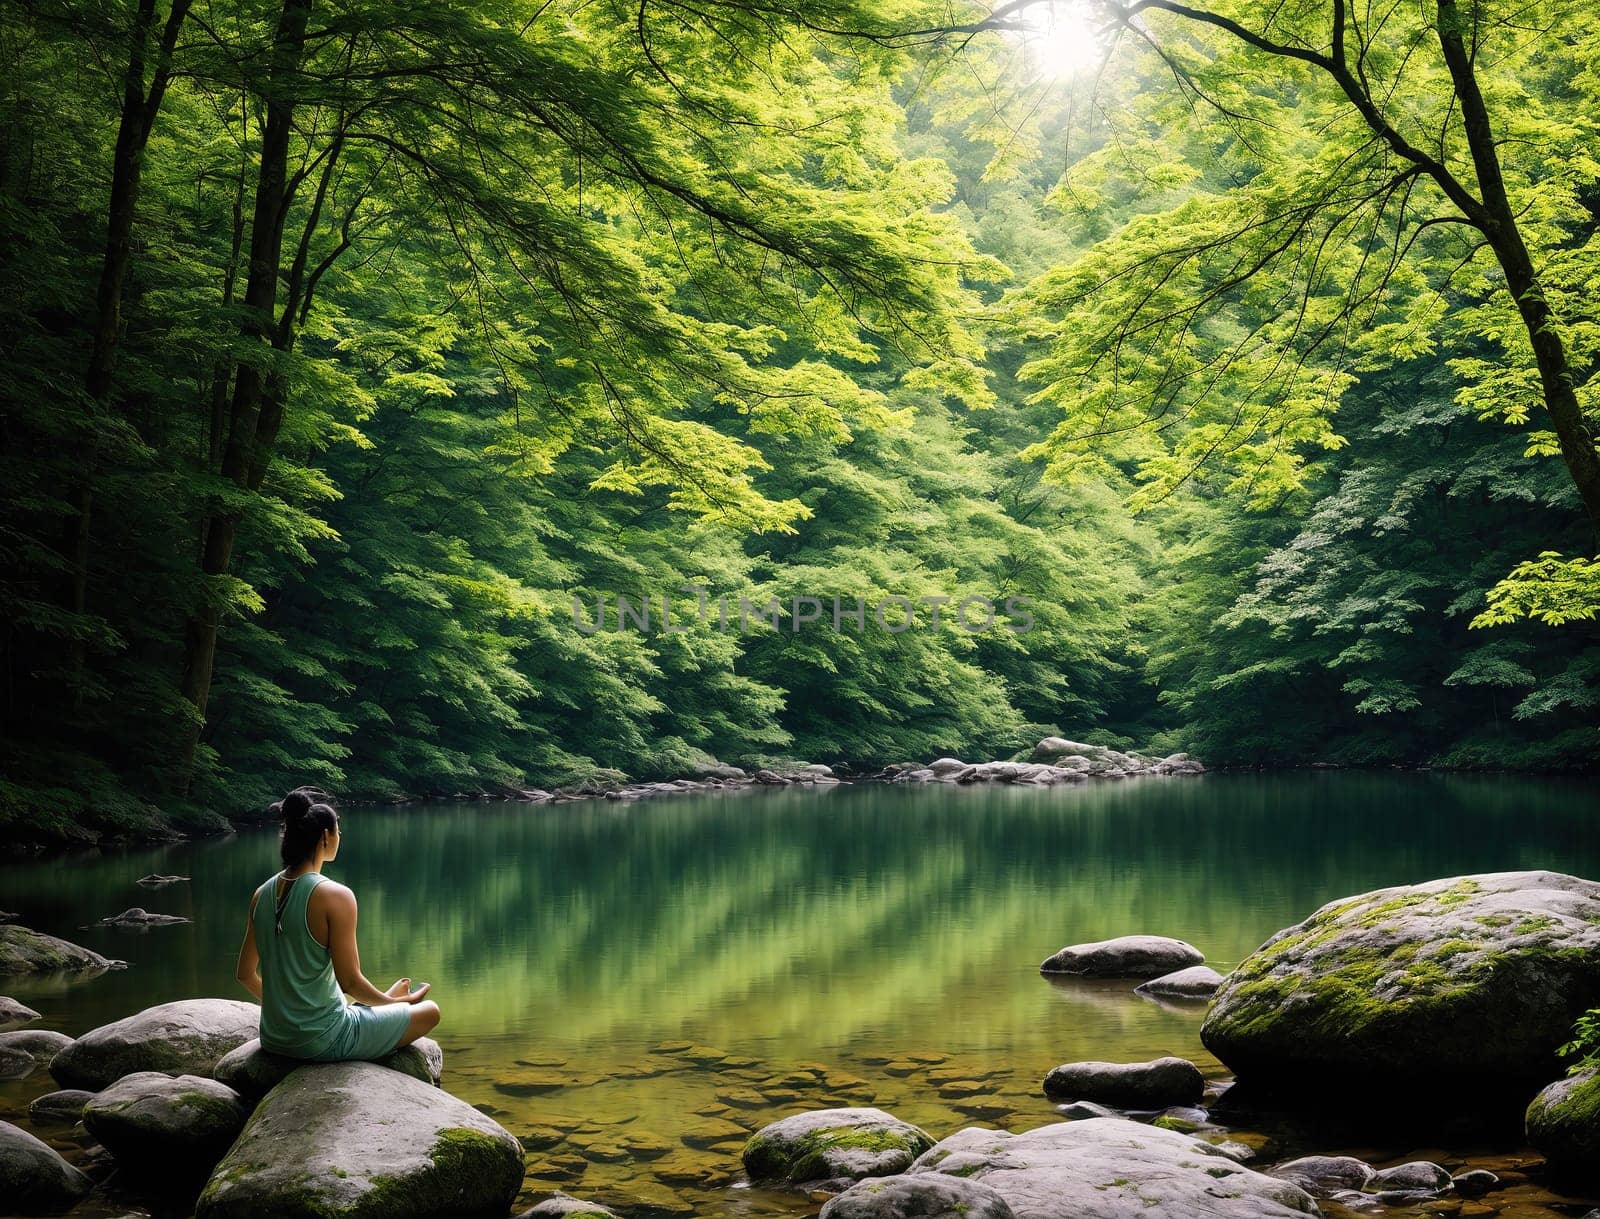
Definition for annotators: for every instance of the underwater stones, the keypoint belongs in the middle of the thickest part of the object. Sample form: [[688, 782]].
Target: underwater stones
[[710, 1132], [1112, 1169], [157, 880], [1128, 956], [24, 951], [743, 1098], [927, 1195], [34, 1180], [152, 1122], [186, 1037], [1196, 982], [542, 1083], [14, 1015], [353, 1140], [253, 1072], [1157, 1084], [1563, 1122], [1469, 982], [138, 916], [828, 1144]]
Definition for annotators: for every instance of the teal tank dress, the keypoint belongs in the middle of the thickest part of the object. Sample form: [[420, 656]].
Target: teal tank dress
[[303, 1012]]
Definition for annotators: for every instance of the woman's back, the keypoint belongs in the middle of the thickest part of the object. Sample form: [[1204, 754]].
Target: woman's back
[[302, 1007]]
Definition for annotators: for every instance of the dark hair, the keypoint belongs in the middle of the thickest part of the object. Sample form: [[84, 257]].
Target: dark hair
[[306, 814]]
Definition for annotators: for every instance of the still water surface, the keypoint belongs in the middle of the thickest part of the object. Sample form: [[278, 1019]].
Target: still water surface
[[873, 943]]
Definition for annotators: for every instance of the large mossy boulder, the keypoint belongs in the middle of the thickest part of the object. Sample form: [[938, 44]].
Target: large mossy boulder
[[253, 1072], [186, 1037], [153, 1122], [354, 1140], [1108, 1168], [23, 951], [34, 1180], [1564, 1123], [1471, 982], [833, 1145], [925, 1195]]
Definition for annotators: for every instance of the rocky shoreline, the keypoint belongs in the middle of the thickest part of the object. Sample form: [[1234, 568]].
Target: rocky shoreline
[[1404, 992]]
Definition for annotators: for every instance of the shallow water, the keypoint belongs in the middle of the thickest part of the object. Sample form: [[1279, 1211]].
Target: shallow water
[[875, 943]]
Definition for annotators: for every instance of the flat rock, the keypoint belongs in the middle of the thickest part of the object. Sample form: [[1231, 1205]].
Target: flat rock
[[833, 1144], [927, 1195], [186, 1037], [712, 1132], [59, 1108], [1106, 1168], [253, 1072], [1564, 1122], [1466, 983], [563, 1204], [1196, 982], [1157, 1084], [14, 1015], [352, 1139], [1128, 956], [152, 1122], [24, 951], [34, 1180], [157, 880], [138, 916]]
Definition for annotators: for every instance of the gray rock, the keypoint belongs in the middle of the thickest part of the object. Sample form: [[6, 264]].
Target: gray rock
[[59, 1108], [1475, 1183], [924, 1195], [1112, 1169], [564, 1204], [1405, 1197], [343, 1140], [1324, 1176], [1079, 1110], [1416, 1175], [24, 951], [185, 1037], [1128, 956], [253, 1072], [138, 916], [1564, 1121], [40, 1045], [1471, 982], [34, 1180], [158, 881], [14, 1015], [155, 1122], [1196, 982], [833, 1143], [1132, 1085], [15, 1064]]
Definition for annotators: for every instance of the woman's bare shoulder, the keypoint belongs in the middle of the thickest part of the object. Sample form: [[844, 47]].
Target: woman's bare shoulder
[[330, 894]]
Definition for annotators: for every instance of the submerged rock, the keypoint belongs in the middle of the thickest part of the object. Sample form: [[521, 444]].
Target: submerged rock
[[1564, 1122], [185, 1037], [927, 1195], [24, 951], [138, 916], [253, 1072], [1470, 982], [157, 881], [160, 1123], [1111, 1169], [1196, 982], [1128, 956], [352, 1139], [34, 1180], [1134, 1085], [14, 1015], [829, 1144]]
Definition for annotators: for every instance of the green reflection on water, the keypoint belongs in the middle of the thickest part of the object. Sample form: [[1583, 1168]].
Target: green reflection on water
[[840, 927]]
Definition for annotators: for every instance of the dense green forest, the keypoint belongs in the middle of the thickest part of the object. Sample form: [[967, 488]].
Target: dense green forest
[[351, 348]]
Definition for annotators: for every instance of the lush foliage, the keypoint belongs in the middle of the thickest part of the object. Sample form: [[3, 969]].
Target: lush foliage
[[355, 353]]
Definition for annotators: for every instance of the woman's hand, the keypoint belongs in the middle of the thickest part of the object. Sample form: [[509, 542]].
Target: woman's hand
[[401, 991]]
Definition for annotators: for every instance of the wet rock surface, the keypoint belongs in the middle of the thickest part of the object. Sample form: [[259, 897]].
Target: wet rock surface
[[1128, 956], [186, 1037]]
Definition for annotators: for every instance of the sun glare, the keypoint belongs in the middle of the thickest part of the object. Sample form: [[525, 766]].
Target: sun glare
[[1061, 41]]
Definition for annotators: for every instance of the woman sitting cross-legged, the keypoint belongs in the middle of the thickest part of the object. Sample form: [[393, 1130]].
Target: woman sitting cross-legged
[[299, 955]]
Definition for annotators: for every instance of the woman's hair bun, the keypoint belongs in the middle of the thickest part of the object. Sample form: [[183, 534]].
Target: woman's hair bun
[[295, 805]]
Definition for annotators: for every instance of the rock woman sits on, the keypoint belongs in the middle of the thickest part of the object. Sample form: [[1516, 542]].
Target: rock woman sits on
[[299, 954]]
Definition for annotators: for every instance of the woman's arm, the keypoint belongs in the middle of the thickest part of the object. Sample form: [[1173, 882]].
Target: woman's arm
[[249, 968], [341, 905]]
